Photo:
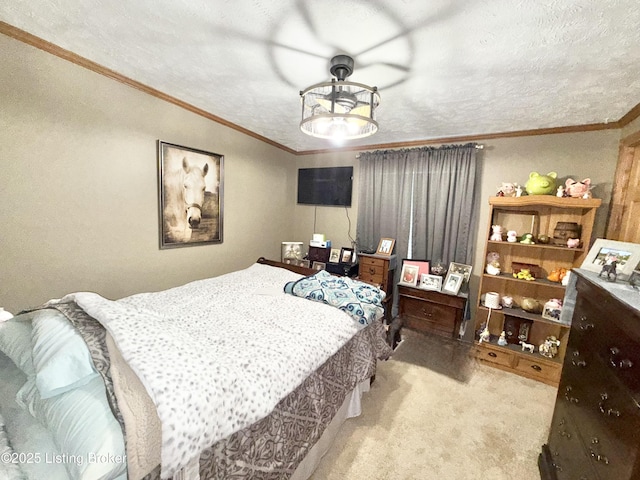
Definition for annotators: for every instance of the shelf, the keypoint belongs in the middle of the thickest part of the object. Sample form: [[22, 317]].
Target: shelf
[[519, 313], [545, 200], [518, 349], [538, 281], [537, 245]]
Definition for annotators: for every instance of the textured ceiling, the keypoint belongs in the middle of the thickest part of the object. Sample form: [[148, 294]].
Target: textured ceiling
[[444, 68]]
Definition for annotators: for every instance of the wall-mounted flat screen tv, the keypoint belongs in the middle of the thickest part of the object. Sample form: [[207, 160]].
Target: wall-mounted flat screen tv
[[325, 186]]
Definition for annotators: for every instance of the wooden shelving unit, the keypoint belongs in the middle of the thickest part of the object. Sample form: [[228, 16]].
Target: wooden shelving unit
[[540, 213]]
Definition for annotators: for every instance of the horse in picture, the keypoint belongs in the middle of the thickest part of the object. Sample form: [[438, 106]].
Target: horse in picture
[[183, 198]]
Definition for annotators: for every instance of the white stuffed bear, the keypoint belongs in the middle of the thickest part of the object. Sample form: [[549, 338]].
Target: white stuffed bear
[[496, 236]]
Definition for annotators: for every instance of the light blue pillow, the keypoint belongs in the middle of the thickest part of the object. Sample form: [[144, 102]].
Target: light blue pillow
[[82, 426], [60, 356], [15, 342]]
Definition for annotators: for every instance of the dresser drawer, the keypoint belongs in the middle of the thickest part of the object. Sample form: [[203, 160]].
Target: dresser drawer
[[366, 275], [499, 356], [532, 366], [372, 262], [372, 270]]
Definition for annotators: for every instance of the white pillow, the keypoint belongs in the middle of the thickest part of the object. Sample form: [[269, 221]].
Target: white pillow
[[83, 428], [15, 342], [60, 356]]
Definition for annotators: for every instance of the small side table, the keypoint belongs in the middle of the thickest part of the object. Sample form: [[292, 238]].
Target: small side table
[[379, 270], [430, 311]]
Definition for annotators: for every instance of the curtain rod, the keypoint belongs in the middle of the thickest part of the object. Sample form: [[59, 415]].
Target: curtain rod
[[479, 146]]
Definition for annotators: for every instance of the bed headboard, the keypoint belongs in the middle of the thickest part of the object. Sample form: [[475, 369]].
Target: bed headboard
[[293, 268]]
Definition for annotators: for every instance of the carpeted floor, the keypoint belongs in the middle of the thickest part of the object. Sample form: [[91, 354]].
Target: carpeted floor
[[435, 413]]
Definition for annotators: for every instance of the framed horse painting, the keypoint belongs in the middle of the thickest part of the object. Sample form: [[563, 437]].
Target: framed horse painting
[[190, 196]]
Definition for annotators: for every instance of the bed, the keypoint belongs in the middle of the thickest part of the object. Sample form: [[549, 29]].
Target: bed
[[222, 378]]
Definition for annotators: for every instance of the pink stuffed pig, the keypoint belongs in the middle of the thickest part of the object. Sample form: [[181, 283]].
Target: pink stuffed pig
[[574, 188]]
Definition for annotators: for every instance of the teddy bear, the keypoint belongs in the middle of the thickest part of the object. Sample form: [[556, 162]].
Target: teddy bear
[[496, 236], [578, 189]]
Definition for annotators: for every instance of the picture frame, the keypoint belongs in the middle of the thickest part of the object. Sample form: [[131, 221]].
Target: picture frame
[[304, 263], [465, 270], [385, 247], [334, 255], [346, 255], [291, 251], [409, 275], [453, 282], [603, 251], [423, 265], [192, 177], [431, 282], [319, 266]]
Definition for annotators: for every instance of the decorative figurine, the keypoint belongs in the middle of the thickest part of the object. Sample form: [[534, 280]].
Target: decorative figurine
[[549, 348], [609, 271], [541, 184], [528, 346], [557, 274], [573, 242], [512, 236], [507, 301], [560, 192], [502, 341], [496, 236], [527, 239], [519, 191], [578, 189], [493, 263], [485, 336]]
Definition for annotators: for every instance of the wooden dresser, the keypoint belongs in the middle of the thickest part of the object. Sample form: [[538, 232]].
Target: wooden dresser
[[379, 270], [430, 311], [595, 430]]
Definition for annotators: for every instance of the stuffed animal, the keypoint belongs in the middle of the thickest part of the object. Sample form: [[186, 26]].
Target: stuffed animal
[[578, 189], [541, 184], [512, 236], [508, 189], [496, 236]]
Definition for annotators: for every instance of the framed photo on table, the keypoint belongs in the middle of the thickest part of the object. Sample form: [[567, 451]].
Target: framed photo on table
[[461, 268], [605, 253], [453, 282], [409, 275], [334, 256], [423, 266], [431, 282], [319, 265], [346, 255], [385, 247]]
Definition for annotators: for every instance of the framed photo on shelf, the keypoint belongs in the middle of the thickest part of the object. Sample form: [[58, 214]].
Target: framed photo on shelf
[[431, 282], [303, 263], [461, 268], [334, 256], [346, 255], [453, 282], [319, 265], [385, 247], [605, 252], [409, 275]]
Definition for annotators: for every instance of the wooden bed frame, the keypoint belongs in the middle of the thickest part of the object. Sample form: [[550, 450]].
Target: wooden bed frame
[[294, 268]]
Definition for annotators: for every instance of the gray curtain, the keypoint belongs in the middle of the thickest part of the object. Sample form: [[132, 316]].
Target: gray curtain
[[422, 197]]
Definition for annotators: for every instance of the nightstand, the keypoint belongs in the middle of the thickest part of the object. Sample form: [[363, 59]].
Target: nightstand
[[430, 311], [379, 270]]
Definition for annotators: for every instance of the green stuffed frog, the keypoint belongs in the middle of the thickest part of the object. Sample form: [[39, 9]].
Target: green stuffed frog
[[541, 184]]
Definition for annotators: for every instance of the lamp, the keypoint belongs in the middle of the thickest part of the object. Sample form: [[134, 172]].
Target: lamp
[[339, 110]]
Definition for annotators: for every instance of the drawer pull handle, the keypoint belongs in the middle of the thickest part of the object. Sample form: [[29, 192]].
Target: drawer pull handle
[[623, 364], [537, 368], [587, 326], [564, 433], [603, 408], [426, 313], [599, 458], [579, 363], [372, 270], [492, 354]]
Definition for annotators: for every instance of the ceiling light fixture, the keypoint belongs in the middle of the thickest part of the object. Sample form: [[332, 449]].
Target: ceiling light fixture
[[339, 110]]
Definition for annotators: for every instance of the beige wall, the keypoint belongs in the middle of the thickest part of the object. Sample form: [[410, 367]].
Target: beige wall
[[79, 201], [79, 191]]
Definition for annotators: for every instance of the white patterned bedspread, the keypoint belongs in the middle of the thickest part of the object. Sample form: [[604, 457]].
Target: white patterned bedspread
[[217, 355]]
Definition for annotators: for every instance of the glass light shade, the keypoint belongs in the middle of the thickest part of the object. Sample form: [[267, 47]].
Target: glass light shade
[[339, 110]]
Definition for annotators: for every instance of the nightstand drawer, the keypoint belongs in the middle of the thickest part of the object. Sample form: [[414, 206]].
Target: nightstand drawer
[[429, 311], [372, 262]]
